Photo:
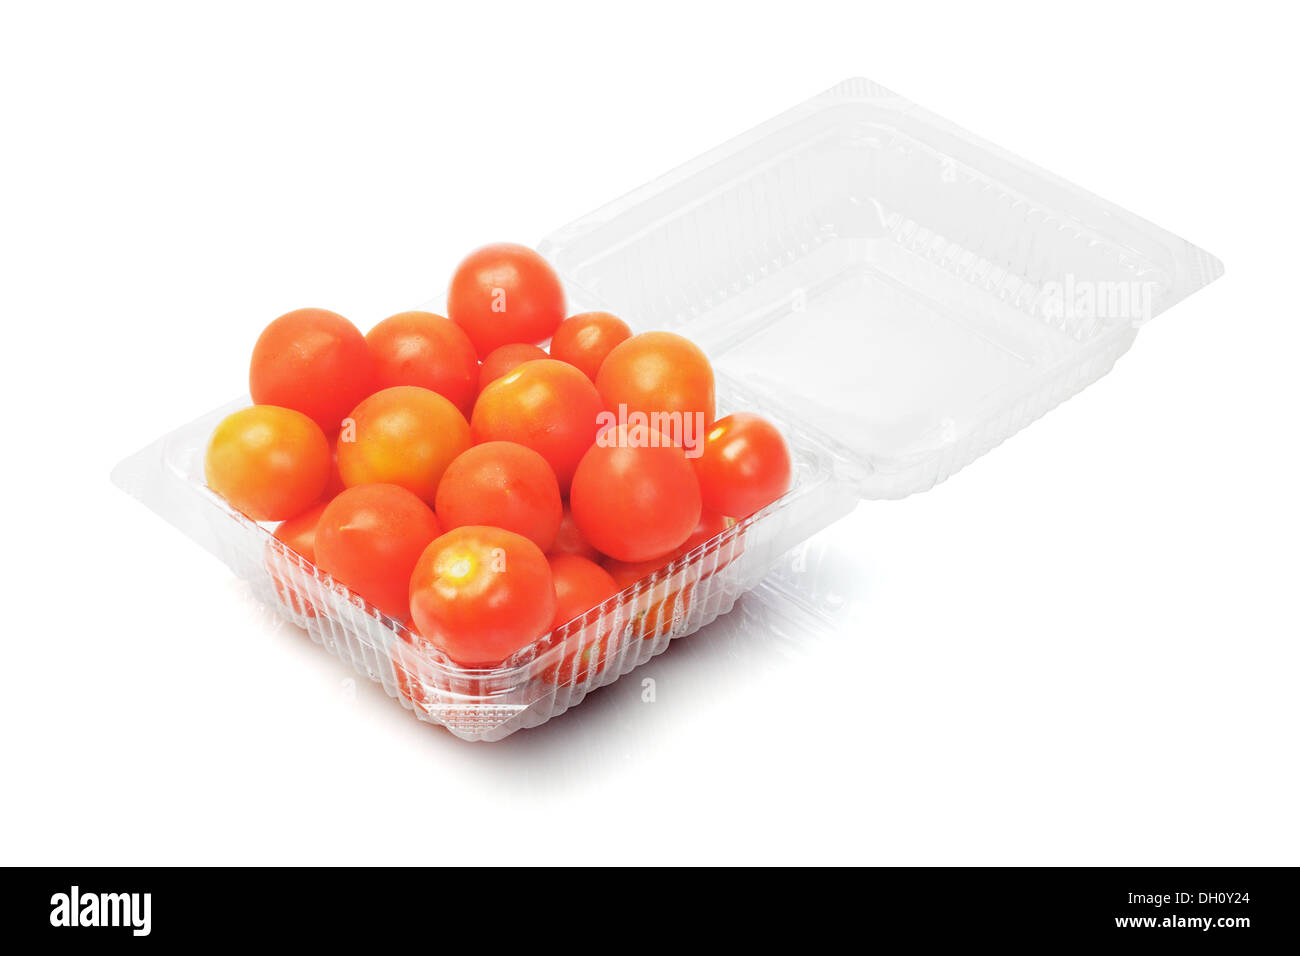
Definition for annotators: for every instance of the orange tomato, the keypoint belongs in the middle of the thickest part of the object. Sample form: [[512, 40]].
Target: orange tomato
[[370, 537], [505, 485], [505, 293], [480, 594], [545, 405], [420, 348], [313, 361], [660, 374], [404, 436], [271, 463], [584, 340], [502, 360]]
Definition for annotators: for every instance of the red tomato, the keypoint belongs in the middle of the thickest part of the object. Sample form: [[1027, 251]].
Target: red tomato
[[569, 540], [370, 538], [580, 585], [505, 293], [503, 485], [480, 594], [405, 436], [313, 361], [660, 374], [711, 525], [668, 600], [298, 535], [576, 665], [626, 573], [745, 465], [420, 348], [416, 681], [653, 612], [545, 405], [428, 684], [635, 497], [585, 339], [271, 463], [335, 483], [504, 359], [656, 611]]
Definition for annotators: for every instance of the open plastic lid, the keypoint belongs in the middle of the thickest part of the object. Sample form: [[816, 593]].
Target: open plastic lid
[[897, 285]]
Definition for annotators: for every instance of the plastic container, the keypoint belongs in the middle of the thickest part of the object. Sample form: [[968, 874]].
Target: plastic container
[[898, 295]]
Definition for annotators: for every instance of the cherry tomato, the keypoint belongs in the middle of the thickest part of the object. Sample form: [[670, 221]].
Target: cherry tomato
[[505, 293], [335, 483], [428, 684], [480, 594], [504, 359], [711, 525], [635, 496], [271, 463], [505, 485], [587, 659], [545, 405], [655, 611], [405, 436], [580, 585], [298, 535], [625, 573], [628, 573], [666, 605], [745, 465], [585, 339], [660, 374], [667, 601], [420, 348], [416, 680], [313, 361], [569, 540], [370, 538]]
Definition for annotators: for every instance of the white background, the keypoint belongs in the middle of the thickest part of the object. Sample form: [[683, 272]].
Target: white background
[[1081, 649]]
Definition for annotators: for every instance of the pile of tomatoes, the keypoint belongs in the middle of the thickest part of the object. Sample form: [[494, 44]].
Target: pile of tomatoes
[[472, 485]]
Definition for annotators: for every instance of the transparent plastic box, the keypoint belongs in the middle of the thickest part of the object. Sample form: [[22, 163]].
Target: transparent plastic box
[[896, 294]]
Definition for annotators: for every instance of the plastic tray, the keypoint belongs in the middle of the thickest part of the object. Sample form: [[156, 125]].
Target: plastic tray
[[898, 295]]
